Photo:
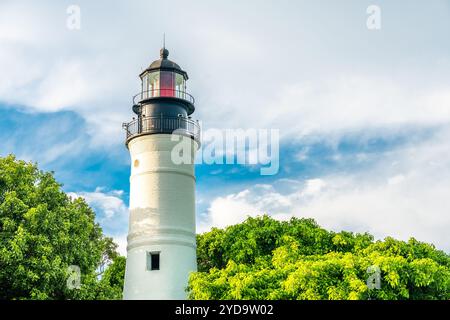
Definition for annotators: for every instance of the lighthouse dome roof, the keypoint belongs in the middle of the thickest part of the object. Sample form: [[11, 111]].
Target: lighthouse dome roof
[[165, 64]]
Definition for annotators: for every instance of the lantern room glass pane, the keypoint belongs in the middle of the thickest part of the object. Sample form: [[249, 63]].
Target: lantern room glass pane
[[180, 86], [167, 84], [153, 84], [145, 87]]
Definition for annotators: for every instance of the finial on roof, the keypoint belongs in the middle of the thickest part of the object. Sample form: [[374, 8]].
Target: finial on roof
[[164, 53]]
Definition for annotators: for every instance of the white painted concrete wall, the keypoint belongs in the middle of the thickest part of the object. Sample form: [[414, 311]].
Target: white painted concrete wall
[[162, 218]]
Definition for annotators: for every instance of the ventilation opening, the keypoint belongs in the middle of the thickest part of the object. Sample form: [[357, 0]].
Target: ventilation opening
[[153, 261]]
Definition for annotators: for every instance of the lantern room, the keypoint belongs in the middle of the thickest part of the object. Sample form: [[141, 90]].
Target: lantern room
[[164, 78], [163, 105]]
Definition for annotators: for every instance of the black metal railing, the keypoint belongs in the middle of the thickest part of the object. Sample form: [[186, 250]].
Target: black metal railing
[[158, 93], [152, 125]]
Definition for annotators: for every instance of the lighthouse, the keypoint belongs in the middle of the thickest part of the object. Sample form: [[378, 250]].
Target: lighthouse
[[161, 249]]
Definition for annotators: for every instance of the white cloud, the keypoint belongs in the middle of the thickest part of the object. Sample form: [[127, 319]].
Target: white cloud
[[302, 155], [235, 208], [121, 241], [352, 102], [294, 74], [111, 213], [406, 194], [110, 204], [228, 210], [313, 187], [272, 77], [47, 68], [396, 179]]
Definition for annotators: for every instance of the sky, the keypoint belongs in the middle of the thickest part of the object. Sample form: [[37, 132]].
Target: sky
[[363, 114]]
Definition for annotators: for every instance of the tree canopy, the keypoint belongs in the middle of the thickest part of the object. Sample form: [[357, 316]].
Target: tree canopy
[[263, 258], [43, 232]]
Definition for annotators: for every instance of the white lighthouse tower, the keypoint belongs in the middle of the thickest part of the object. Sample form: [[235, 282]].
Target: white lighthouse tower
[[161, 249]]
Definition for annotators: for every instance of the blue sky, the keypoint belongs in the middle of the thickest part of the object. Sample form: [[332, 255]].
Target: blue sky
[[364, 115]]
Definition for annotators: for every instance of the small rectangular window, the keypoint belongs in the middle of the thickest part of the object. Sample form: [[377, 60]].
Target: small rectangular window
[[153, 260]]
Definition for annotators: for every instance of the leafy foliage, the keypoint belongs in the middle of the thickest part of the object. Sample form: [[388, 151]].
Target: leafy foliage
[[267, 259], [42, 232]]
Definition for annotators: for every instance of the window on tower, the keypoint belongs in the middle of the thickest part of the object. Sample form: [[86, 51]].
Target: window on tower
[[153, 261]]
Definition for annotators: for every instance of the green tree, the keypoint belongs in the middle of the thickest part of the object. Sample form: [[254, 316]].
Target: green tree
[[43, 232], [267, 259], [112, 279]]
